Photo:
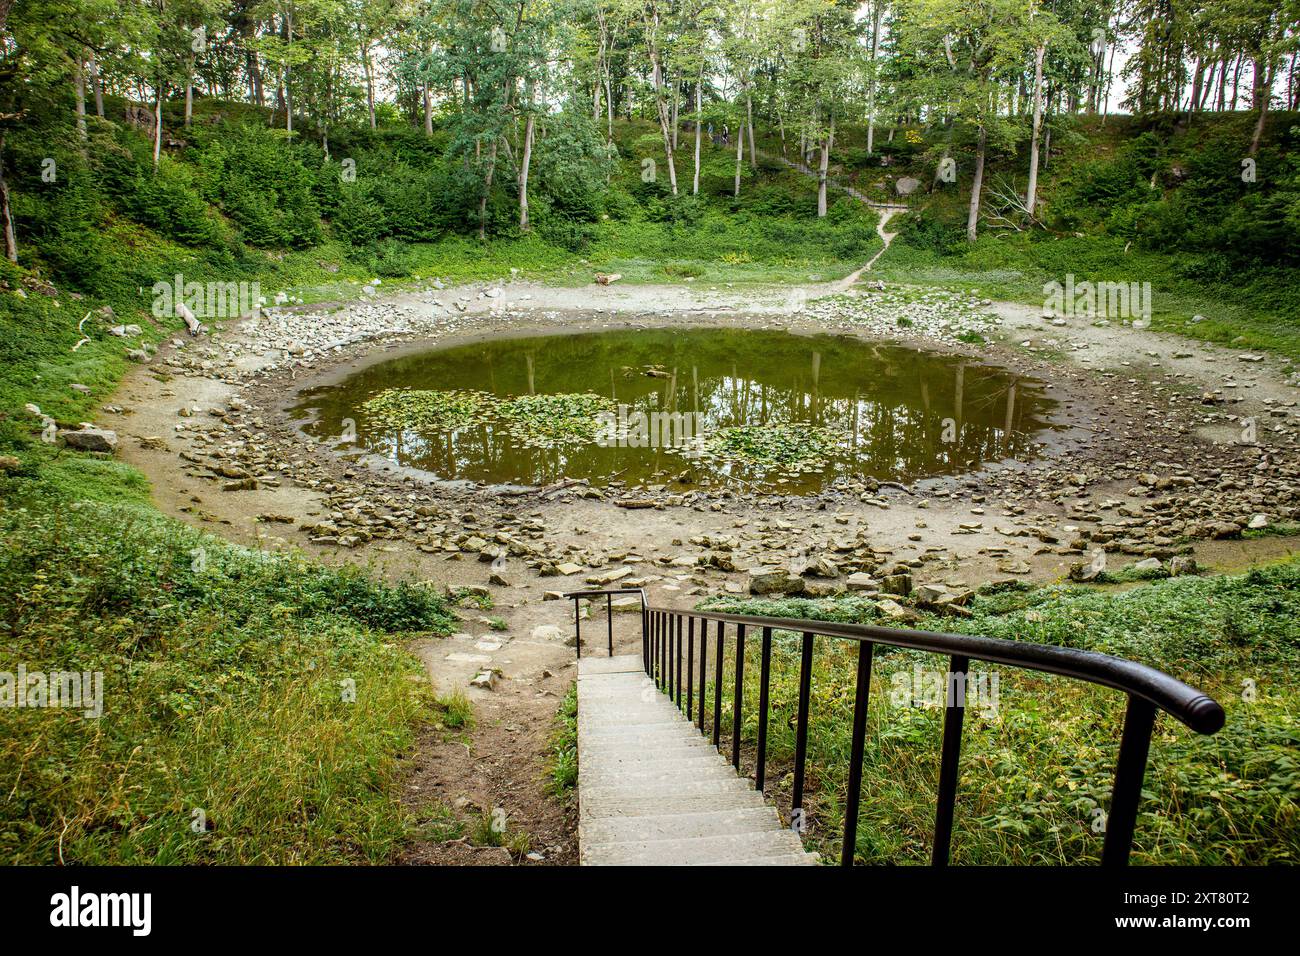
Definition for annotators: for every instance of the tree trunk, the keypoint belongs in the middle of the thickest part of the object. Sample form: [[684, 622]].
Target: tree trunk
[[1032, 190], [740, 158], [972, 220], [189, 92], [871, 77], [157, 126], [428, 111], [97, 85], [749, 122], [823, 166], [79, 86], [523, 172], [699, 86], [661, 108], [11, 238], [1263, 93], [676, 97], [487, 190], [370, 82]]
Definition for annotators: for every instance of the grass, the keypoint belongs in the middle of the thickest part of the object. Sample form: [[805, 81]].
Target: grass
[[263, 693], [1015, 267], [456, 709], [1037, 773], [563, 765], [256, 707]]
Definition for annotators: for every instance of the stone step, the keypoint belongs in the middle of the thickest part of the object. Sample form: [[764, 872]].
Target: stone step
[[637, 751], [721, 785], [652, 790], [620, 804], [657, 773], [678, 826], [727, 849], [790, 859]]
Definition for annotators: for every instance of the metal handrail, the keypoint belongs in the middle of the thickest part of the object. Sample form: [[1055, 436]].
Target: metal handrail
[[1148, 690], [577, 596]]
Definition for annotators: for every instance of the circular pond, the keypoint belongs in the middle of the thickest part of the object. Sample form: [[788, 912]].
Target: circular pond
[[685, 408]]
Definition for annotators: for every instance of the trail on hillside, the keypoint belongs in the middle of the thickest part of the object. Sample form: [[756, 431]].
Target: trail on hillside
[[887, 212]]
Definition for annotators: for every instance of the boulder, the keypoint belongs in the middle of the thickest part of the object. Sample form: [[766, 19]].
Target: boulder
[[774, 581], [931, 594], [547, 632], [90, 439], [899, 584]]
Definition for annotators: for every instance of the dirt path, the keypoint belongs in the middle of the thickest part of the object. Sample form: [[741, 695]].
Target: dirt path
[[1138, 462]]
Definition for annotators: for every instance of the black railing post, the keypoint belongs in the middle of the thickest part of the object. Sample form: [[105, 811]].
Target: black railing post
[[861, 697], [704, 668], [577, 626], [656, 626], [1149, 691], [663, 649], [690, 666], [801, 731], [677, 664], [738, 697], [717, 689], [765, 673], [1139, 721], [952, 721]]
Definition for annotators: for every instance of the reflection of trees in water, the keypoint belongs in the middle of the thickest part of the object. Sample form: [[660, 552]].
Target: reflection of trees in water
[[892, 404]]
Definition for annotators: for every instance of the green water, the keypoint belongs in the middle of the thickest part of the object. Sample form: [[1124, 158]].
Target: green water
[[897, 413]]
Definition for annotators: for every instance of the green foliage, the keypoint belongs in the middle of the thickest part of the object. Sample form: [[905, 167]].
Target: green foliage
[[563, 766]]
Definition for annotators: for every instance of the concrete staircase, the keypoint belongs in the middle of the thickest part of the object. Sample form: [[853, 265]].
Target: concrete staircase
[[653, 792]]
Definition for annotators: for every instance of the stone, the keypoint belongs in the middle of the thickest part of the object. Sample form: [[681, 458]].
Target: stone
[[498, 580], [774, 581], [823, 567], [90, 439], [906, 185], [568, 568], [547, 632], [861, 581], [1147, 564], [485, 680], [8, 464], [899, 584], [931, 594], [1182, 564], [892, 609], [1257, 522]]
